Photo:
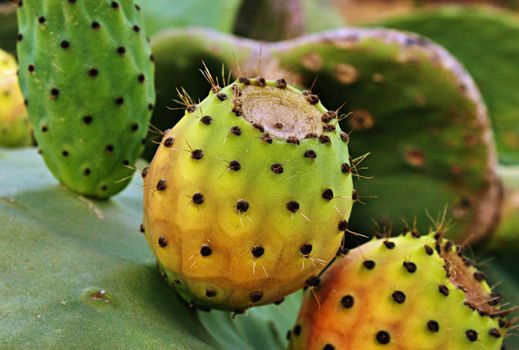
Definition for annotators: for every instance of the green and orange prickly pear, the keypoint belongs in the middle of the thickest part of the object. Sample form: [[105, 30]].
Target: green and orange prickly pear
[[87, 75], [407, 293], [15, 128], [248, 196]]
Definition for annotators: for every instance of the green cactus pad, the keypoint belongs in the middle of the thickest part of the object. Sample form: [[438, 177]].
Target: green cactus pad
[[15, 128], [485, 41], [412, 106], [77, 274], [87, 76], [238, 209], [404, 293]]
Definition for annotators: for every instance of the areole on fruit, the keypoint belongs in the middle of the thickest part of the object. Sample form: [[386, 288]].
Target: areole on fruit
[[239, 210]]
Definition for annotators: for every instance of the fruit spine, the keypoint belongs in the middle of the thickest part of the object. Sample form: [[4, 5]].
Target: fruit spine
[[87, 77], [248, 196], [408, 292]]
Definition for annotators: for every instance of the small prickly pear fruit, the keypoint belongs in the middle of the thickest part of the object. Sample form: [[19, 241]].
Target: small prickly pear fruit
[[248, 196], [15, 129], [407, 293], [87, 76]]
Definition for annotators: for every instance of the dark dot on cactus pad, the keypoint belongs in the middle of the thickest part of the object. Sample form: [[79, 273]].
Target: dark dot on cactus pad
[[327, 194], [292, 206], [210, 292], [121, 50], [206, 120], [162, 184], [257, 251], [72, 1], [137, 7], [134, 127], [197, 154], [93, 72], [191, 108], [44, 128], [347, 301], [86, 172], [87, 119], [26, 102], [242, 206], [398, 296], [150, 107], [503, 323], [19, 37], [141, 78], [280, 301], [494, 332], [198, 198], [433, 326], [104, 188], [281, 83], [472, 335], [409, 266], [261, 82], [324, 139], [293, 140], [329, 347], [305, 249], [41, 19], [278, 126], [328, 128], [312, 99], [115, 4], [235, 130], [119, 101], [383, 337], [328, 116], [276, 168], [345, 137], [369, 264], [20, 3], [163, 241], [259, 127], [443, 289], [152, 58], [343, 225], [297, 329], [266, 138], [310, 154], [64, 153], [234, 165], [168, 142], [244, 80], [95, 25], [448, 246], [428, 250], [354, 195], [136, 28], [31, 68], [256, 296], [126, 162], [313, 281], [145, 171], [479, 276], [65, 44], [109, 149], [54, 92], [205, 250], [389, 244]]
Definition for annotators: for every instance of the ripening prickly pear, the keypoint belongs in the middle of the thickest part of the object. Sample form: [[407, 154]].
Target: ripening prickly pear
[[248, 196], [406, 293], [87, 76], [15, 129]]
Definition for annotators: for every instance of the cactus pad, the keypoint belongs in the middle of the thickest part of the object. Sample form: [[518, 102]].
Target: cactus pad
[[248, 196], [406, 293], [87, 76], [15, 128]]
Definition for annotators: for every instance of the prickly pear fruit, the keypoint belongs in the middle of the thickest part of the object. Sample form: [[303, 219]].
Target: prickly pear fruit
[[408, 292], [248, 196], [87, 76], [15, 129]]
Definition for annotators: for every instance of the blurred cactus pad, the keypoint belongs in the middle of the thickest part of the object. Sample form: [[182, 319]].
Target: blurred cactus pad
[[77, 273], [407, 101]]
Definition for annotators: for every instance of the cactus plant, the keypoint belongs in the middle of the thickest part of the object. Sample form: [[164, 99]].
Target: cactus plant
[[87, 77], [236, 190], [394, 84], [15, 128], [408, 292]]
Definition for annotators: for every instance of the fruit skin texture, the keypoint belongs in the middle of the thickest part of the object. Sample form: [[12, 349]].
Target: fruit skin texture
[[232, 236], [396, 294], [87, 77], [15, 128]]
